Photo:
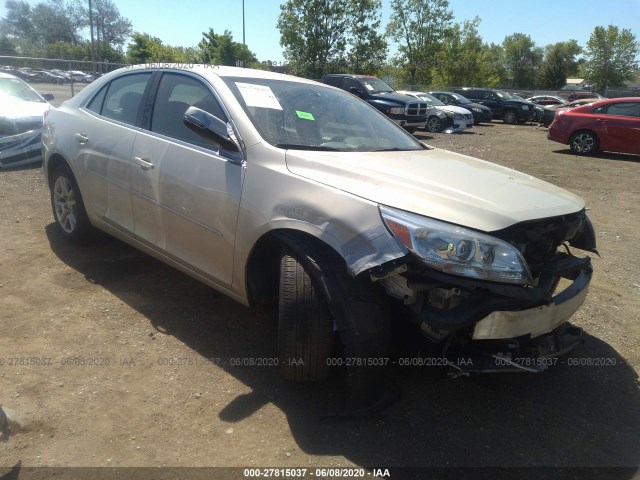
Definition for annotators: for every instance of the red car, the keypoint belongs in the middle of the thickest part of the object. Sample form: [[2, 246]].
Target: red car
[[612, 125]]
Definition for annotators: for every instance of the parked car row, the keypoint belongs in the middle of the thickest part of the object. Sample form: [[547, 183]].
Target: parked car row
[[39, 75]]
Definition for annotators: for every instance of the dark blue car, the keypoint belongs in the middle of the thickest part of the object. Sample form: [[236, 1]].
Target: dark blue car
[[480, 112]]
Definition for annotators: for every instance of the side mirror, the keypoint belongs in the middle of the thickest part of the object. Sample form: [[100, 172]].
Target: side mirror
[[210, 127], [355, 91], [48, 96]]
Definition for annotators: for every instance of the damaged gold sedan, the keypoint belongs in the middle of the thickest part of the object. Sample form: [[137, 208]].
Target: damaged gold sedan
[[272, 188]]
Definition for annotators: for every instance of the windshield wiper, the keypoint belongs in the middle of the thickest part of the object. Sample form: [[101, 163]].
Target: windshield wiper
[[395, 149], [293, 146]]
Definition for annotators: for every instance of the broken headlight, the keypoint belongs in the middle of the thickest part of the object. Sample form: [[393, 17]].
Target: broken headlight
[[457, 250]]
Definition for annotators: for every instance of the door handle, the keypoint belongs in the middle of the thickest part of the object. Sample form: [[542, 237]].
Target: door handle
[[82, 138], [144, 164], [600, 120]]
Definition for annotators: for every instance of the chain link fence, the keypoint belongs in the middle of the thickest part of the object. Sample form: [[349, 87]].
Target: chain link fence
[[61, 77]]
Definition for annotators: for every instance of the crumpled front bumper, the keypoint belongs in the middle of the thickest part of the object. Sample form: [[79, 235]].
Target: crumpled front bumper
[[498, 311], [537, 321], [20, 149]]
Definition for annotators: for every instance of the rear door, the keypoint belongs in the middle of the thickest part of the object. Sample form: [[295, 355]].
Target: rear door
[[619, 124], [186, 189], [105, 135]]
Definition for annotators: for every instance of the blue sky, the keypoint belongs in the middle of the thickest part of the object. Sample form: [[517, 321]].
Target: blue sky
[[546, 21]]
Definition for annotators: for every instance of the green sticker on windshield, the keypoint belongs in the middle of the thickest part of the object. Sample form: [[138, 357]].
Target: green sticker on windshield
[[304, 115]]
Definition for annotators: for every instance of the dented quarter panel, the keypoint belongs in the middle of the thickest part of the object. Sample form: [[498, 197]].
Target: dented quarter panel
[[274, 198]]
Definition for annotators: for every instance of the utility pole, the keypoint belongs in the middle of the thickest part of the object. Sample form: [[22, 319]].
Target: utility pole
[[243, 41], [93, 58]]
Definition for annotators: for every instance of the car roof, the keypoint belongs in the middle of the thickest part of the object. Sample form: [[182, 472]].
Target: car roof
[[217, 70], [7, 75]]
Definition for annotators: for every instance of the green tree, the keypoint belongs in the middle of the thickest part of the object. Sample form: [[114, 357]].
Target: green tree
[[611, 57], [111, 29], [418, 27], [222, 50], [522, 59], [7, 46], [144, 48], [464, 59], [17, 21], [33, 28], [320, 36], [368, 47], [559, 63]]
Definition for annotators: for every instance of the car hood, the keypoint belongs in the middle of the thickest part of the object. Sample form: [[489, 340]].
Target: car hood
[[454, 109], [469, 106], [20, 109], [396, 97], [438, 184]]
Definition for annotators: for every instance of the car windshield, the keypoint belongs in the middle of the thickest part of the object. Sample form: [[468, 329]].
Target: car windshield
[[305, 116], [503, 95], [461, 98], [431, 100], [16, 89], [375, 85]]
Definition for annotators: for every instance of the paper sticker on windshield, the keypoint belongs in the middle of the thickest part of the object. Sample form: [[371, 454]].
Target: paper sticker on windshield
[[304, 115], [368, 86], [258, 96]]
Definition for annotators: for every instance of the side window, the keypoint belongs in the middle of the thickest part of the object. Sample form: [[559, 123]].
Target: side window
[[123, 97], [334, 81], [176, 94], [351, 83], [95, 105], [624, 109], [490, 96]]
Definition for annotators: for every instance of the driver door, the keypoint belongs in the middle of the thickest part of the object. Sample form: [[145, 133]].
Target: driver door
[[186, 189]]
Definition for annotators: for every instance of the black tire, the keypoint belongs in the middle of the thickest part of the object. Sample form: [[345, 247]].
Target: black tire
[[68, 208], [410, 130], [305, 326], [434, 125], [584, 142], [510, 117], [359, 314]]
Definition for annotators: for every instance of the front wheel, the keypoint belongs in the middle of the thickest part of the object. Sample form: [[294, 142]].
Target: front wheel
[[510, 117], [322, 307], [434, 125], [305, 326], [584, 143], [68, 208]]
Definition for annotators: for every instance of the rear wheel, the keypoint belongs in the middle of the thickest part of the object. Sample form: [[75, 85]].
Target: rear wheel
[[68, 208], [584, 143]]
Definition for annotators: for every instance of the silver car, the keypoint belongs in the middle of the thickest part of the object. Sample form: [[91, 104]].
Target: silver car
[[266, 186], [21, 113]]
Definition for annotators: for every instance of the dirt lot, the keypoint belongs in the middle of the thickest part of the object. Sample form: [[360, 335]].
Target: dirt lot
[[104, 350]]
